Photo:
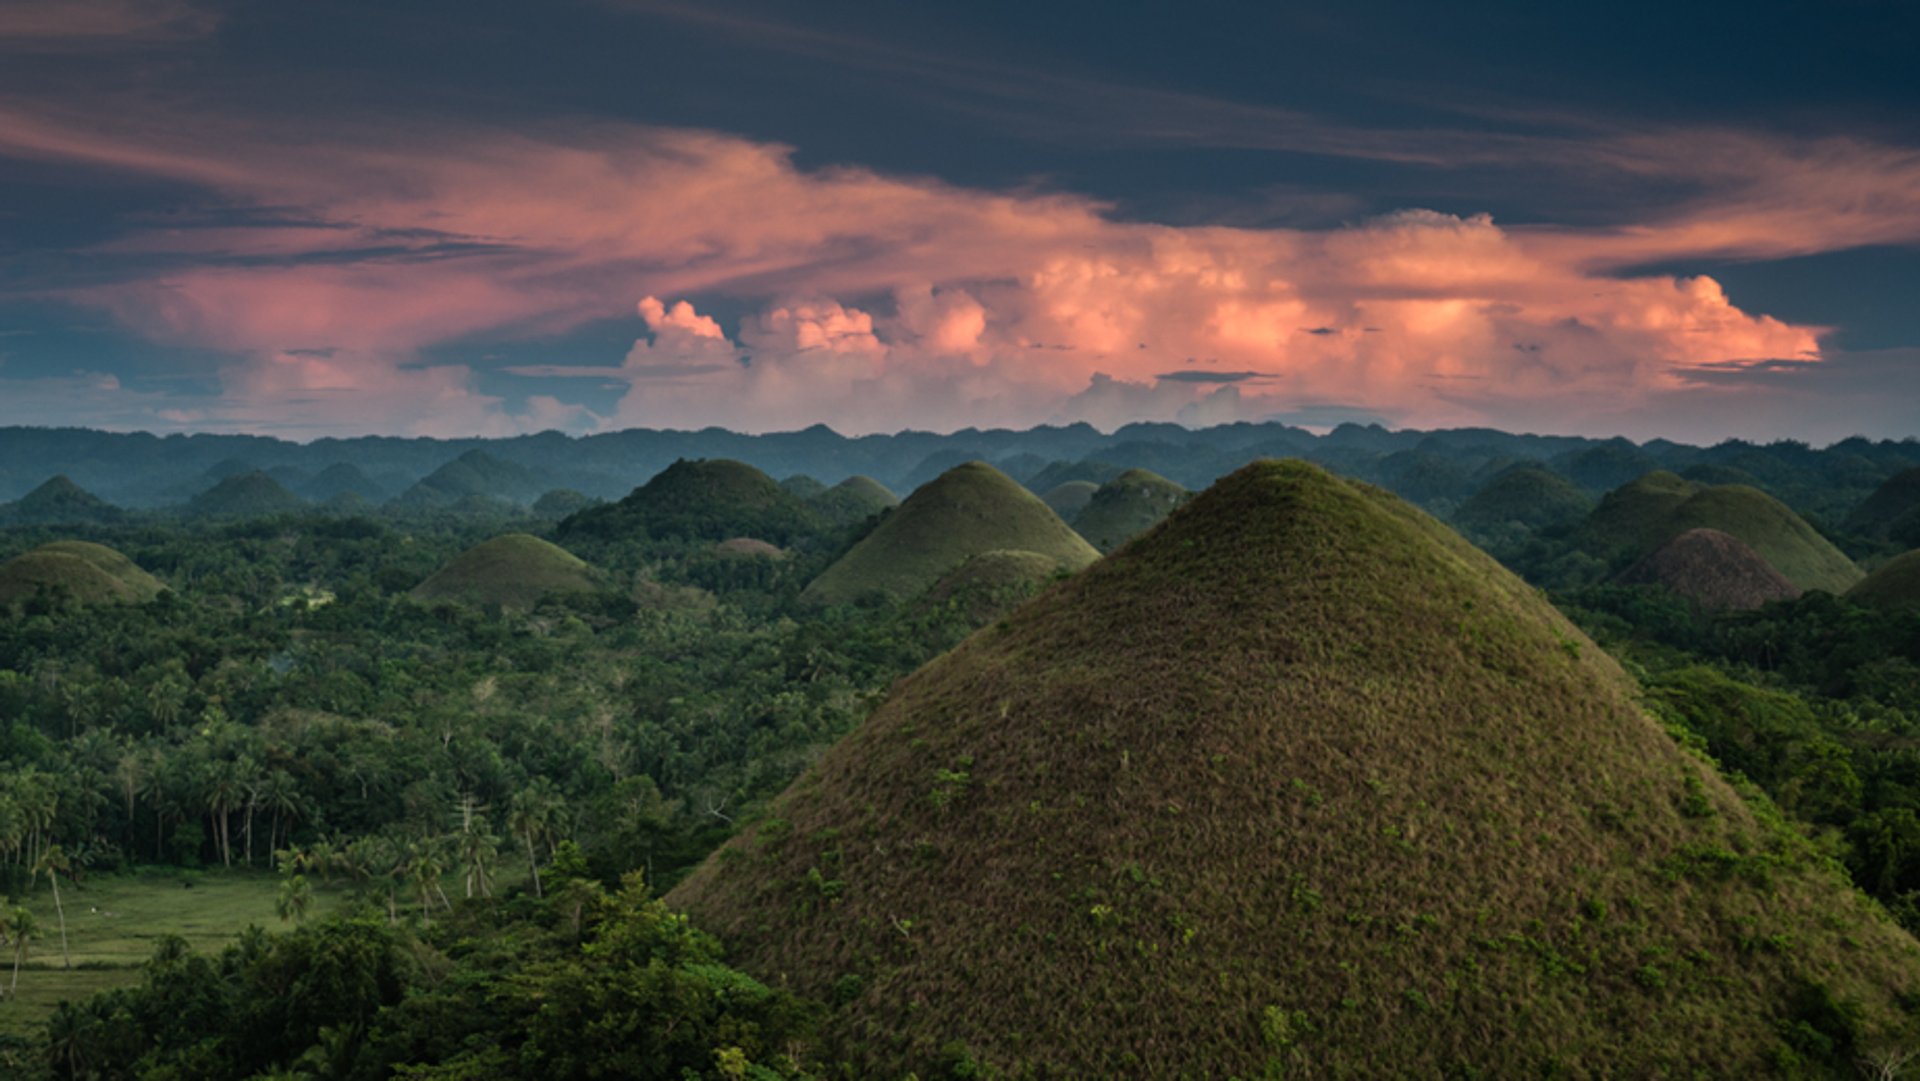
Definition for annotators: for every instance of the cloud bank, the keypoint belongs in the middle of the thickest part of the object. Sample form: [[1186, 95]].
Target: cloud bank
[[876, 302]]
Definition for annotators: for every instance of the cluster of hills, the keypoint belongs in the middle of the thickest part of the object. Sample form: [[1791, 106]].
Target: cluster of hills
[[1299, 781]]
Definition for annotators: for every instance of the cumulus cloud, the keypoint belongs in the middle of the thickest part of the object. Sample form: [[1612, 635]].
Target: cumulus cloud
[[876, 302]]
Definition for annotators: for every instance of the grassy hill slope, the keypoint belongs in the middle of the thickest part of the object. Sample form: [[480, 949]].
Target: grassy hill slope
[[244, 495], [513, 570], [1127, 506], [59, 501], [1658, 507], [85, 572], [1530, 495], [1895, 584], [1712, 569], [969, 509], [701, 499], [1298, 783]]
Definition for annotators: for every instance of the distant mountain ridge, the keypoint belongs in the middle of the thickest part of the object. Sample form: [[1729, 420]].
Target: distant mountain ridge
[[140, 470]]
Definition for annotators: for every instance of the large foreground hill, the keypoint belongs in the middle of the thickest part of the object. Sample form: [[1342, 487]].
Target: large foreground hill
[[1298, 783]]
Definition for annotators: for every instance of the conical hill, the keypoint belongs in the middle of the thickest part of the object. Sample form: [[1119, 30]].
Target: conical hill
[[853, 501], [1297, 783], [1892, 505], [990, 584], [57, 501], [244, 495], [700, 499], [1714, 570], [1895, 584], [1069, 499], [80, 571], [969, 509], [1660, 506], [1127, 506], [1531, 496], [513, 570]]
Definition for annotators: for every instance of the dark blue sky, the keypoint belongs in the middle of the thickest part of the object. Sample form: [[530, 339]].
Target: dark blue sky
[[332, 217]]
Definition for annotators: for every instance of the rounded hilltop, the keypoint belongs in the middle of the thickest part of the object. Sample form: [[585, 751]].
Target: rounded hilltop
[[1894, 584], [1298, 782], [1127, 506], [969, 510], [78, 571], [709, 499], [1714, 570], [1641, 516], [1531, 496], [513, 571]]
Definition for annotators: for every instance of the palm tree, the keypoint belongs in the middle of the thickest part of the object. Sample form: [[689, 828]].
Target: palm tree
[[18, 927], [221, 790], [295, 898], [532, 815], [280, 796], [53, 863], [478, 850]]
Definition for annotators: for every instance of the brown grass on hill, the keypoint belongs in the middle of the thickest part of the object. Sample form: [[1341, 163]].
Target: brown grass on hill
[[1715, 570], [1298, 782]]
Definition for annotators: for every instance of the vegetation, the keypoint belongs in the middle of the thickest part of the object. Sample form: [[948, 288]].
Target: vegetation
[[1070, 498], [510, 571], [1127, 506], [1457, 843], [966, 511], [853, 501], [59, 501], [700, 500], [76, 572], [1896, 584], [1892, 512], [1660, 506], [1529, 496], [1712, 569], [244, 495], [449, 817]]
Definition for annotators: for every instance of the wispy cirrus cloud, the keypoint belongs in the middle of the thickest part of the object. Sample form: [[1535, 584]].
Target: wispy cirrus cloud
[[71, 25]]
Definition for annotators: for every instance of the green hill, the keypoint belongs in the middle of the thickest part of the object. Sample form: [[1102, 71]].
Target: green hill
[[802, 487], [1070, 498], [342, 478], [78, 570], [1127, 506], [1895, 584], [700, 499], [1712, 569], [245, 495], [1658, 507], [967, 510], [991, 584], [513, 570], [1634, 515], [1299, 783], [474, 474], [1897, 499], [56, 502], [853, 501], [1531, 496]]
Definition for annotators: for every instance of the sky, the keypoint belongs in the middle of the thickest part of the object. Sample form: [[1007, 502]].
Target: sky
[[344, 217]]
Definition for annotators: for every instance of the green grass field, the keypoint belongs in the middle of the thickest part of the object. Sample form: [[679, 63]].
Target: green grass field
[[113, 922]]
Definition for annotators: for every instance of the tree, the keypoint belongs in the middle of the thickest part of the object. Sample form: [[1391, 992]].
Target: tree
[[18, 927], [53, 863], [534, 812], [296, 896]]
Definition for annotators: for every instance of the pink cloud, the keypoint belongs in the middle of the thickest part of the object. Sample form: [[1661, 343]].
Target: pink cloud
[[886, 301]]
